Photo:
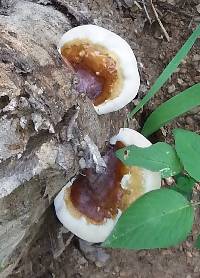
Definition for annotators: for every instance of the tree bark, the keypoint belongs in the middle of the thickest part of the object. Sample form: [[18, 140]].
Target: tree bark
[[43, 121]]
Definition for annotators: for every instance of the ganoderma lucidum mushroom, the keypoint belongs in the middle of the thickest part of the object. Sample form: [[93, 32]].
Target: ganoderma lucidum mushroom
[[105, 65], [91, 204]]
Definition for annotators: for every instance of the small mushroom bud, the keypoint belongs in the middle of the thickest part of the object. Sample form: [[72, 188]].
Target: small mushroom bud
[[91, 204], [105, 65]]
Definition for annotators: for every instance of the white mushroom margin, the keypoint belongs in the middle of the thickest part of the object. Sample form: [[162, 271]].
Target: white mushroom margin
[[80, 226], [127, 61], [152, 180], [99, 232]]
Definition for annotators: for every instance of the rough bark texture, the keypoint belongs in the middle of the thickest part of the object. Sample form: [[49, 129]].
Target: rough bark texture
[[43, 121]]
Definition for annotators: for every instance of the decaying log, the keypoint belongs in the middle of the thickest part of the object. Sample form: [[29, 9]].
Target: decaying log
[[42, 118]]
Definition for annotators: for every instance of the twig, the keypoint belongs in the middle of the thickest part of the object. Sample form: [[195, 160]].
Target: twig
[[195, 204], [159, 21], [146, 12], [138, 5]]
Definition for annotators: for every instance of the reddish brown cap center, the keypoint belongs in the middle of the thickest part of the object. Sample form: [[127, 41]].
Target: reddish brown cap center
[[98, 196], [96, 70]]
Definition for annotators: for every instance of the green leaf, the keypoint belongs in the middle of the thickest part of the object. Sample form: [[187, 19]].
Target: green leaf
[[159, 219], [158, 157], [197, 243], [172, 108], [187, 145], [171, 67], [184, 185]]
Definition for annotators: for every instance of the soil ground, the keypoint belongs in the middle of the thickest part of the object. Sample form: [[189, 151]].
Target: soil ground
[[47, 256]]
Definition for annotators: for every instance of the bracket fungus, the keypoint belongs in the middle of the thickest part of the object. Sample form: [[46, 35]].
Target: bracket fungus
[[105, 65], [91, 204]]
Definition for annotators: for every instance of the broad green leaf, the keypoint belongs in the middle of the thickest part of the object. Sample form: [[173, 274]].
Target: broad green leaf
[[158, 157], [171, 67], [187, 145], [197, 243], [171, 109], [159, 219], [184, 185]]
